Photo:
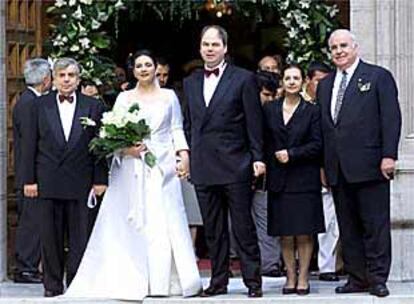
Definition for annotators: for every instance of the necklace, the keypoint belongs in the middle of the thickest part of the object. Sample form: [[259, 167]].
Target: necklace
[[289, 109]]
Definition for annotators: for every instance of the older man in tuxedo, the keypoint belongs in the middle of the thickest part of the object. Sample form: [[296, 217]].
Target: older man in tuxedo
[[37, 77], [60, 171], [224, 127], [361, 123]]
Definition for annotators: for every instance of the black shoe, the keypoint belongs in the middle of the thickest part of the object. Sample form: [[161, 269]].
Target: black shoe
[[303, 291], [273, 273], [350, 288], [27, 277], [328, 276], [288, 290], [255, 292], [51, 293], [212, 291], [379, 290]]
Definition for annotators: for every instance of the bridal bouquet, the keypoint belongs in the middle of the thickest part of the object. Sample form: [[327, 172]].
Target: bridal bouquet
[[121, 128]]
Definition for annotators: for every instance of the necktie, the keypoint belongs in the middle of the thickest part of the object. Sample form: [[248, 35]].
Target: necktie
[[215, 71], [62, 98], [340, 96]]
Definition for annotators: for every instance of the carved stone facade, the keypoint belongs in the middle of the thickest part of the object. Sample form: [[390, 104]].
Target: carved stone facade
[[3, 145], [385, 31]]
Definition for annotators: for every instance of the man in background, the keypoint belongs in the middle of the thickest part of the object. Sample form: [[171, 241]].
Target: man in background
[[270, 250], [328, 241], [37, 77], [270, 64], [89, 88], [162, 72]]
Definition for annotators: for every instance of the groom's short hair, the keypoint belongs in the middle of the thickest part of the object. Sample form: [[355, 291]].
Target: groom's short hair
[[221, 32]]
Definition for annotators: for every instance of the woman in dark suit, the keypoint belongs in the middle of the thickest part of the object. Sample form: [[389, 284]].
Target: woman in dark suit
[[293, 152]]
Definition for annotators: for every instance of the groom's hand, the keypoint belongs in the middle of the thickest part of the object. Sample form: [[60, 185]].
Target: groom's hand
[[30, 190], [259, 168], [99, 189]]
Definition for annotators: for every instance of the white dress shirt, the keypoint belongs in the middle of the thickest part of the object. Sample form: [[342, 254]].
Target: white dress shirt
[[211, 82], [338, 77], [66, 113]]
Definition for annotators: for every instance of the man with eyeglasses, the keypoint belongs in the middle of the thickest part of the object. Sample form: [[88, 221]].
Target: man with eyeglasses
[[361, 123]]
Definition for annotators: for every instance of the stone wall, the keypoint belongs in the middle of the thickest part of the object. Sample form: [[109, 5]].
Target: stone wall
[[3, 144], [385, 32]]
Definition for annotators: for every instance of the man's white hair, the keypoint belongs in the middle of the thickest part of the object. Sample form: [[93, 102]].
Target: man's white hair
[[35, 71], [343, 31]]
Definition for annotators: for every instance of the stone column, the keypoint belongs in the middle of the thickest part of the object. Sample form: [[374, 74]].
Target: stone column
[[385, 32], [3, 144]]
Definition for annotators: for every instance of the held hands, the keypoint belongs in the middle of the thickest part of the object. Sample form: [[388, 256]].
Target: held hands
[[135, 151], [30, 190], [182, 167], [388, 167], [282, 156], [99, 189], [259, 168]]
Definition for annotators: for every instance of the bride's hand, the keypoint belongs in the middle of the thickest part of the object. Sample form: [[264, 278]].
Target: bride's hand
[[135, 151], [183, 166]]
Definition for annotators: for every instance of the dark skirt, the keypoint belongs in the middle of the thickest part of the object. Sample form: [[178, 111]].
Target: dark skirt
[[291, 214]]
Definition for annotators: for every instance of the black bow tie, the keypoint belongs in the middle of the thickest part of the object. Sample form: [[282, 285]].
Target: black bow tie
[[215, 71], [62, 98]]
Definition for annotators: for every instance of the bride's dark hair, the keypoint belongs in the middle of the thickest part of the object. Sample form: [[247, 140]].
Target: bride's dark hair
[[144, 52]]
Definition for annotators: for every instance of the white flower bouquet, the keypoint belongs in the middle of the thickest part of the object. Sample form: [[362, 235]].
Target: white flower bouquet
[[121, 128]]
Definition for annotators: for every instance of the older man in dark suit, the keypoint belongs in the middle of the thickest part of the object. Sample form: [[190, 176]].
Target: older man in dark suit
[[60, 171], [224, 128], [37, 76], [361, 123]]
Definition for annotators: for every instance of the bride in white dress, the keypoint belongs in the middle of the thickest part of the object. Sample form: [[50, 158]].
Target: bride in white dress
[[140, 245]]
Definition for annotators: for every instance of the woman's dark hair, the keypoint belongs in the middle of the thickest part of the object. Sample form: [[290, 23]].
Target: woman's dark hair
[[144, 52], [293, 66]]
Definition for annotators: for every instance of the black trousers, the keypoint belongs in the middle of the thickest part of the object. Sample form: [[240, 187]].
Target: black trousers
[[363, 211], [215, 202], [27, 244], [60, 218]]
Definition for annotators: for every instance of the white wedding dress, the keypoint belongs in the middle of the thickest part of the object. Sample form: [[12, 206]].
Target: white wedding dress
[[141, 244]]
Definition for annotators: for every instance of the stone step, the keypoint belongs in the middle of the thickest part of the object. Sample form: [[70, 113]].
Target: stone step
[[321, 293]]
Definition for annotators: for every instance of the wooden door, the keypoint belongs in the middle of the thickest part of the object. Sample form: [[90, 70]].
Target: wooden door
[[23, 41]]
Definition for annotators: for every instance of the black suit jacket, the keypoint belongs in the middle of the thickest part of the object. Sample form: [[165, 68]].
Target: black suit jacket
[[62, 170], [225, 137], [368, 126], [21, 112], [302, 138]]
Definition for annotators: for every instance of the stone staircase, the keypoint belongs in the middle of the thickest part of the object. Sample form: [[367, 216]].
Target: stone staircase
[[321, 293]]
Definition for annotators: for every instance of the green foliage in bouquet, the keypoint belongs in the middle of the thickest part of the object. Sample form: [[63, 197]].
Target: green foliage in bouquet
[[122, 128]]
